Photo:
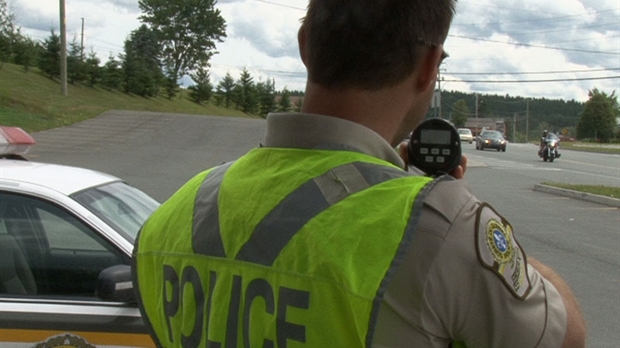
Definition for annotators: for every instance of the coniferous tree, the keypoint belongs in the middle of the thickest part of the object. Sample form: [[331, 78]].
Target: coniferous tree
[[284, 105], [49, 59], [225, 90], [245, 95], [298, 103], [26, 53], [266, 94], [76, 71], [93, 72], [202, 89], [142, 73], [111, 74]]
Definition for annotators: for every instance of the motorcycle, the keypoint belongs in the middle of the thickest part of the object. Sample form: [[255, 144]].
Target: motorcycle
[[550, 146]]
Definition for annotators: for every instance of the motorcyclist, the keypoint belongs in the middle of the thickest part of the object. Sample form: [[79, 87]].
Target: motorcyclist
[[549, 139], [542, 142]]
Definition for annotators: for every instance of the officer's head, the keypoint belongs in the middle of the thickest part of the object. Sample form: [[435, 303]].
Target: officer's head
[[370, 44]]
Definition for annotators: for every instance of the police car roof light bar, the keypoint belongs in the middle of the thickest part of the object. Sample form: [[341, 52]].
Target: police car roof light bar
[[15, 141]]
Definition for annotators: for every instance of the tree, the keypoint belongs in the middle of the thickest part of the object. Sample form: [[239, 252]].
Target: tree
[[266, 95], [299, 101], [245, 93], [142, 74], [203, 89], [187, 31], [225, 89], [111, 74], [460, 113], [8, 32], [284, 105], [598, 119], [26, 53], [93, 72], [49, 59], [76, 70]]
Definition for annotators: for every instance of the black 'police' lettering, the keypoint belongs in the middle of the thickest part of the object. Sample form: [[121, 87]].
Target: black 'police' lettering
[[171, 301], [257, 288], [242, 299]]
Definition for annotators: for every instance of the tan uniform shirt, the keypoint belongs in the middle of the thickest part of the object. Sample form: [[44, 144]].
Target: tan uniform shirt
[[465, 277]]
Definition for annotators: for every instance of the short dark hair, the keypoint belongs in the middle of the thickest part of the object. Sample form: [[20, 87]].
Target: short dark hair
[[370, 44]]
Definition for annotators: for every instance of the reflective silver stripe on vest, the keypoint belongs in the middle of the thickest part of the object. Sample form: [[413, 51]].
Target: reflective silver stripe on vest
[[206, 236], [279, 226]]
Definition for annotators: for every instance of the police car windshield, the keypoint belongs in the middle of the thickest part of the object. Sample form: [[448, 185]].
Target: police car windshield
[[122, 207]]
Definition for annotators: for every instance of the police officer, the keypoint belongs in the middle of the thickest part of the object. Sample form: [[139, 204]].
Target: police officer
[[542, 142], [320, 238]]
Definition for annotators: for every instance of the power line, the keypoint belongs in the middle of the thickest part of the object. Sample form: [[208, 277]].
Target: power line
[[529, 20], [563, 29], [281, 5], [535, 72], [534, 46], [589, 39], [534, 81]]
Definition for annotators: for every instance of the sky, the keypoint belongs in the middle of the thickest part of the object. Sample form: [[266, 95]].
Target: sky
[[553, 49]]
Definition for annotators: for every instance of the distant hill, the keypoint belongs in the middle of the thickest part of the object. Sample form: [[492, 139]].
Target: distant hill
[[545, 113]]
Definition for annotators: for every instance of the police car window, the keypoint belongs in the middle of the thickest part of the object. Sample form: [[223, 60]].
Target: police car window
[[64, 255], [122, 207]]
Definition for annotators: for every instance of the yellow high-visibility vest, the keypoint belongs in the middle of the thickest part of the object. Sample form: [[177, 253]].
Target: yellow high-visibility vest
[[282, 248]]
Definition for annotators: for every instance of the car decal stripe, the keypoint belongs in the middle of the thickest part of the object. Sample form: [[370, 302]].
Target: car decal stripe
[[93, 338]]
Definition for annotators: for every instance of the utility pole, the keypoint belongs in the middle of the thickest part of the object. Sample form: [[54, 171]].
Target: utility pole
[[527, 123], [82, 43], [514, 128], [476, 94], [439, 89], [63, 49]]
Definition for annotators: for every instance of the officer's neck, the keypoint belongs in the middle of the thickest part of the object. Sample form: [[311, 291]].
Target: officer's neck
[[382, 110]]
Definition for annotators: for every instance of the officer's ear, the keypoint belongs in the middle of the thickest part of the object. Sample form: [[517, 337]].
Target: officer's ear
[[429, 66], [301, 41]]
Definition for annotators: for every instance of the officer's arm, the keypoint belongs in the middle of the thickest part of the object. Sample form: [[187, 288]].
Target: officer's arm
[[575, 326]]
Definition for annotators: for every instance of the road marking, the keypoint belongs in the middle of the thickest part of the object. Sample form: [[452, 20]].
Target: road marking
[[590, 164], [479, 161]]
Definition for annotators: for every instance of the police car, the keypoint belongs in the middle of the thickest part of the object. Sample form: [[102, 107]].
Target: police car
[[66, 237]]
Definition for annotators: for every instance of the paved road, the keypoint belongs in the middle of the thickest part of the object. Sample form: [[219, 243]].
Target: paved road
[[581, 240], [154, 152]]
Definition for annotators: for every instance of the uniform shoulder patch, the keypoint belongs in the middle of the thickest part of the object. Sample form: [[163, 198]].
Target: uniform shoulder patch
[[499, 251]]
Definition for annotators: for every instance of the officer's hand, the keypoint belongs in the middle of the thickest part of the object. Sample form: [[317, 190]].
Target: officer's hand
[[458, 172]]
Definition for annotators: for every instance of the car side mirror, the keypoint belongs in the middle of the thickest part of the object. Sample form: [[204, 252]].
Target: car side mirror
[[114, 284]]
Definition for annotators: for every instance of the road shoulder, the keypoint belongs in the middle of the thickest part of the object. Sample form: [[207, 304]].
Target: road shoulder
[[609, 201]]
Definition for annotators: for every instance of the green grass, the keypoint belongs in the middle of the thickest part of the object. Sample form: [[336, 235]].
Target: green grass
[[609, 191], [591, 147], [34, 102], [612, 148]]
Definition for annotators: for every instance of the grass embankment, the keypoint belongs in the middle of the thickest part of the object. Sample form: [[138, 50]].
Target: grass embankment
[[591, 147], [34, 102], [611, 148], [609, 191]]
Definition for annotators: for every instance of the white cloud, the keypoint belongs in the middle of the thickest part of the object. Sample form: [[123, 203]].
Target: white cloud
[[496, 40]]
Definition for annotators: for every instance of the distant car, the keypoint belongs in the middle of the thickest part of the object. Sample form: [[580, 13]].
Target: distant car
[[465, 135], [491, 139], [66, 237]]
